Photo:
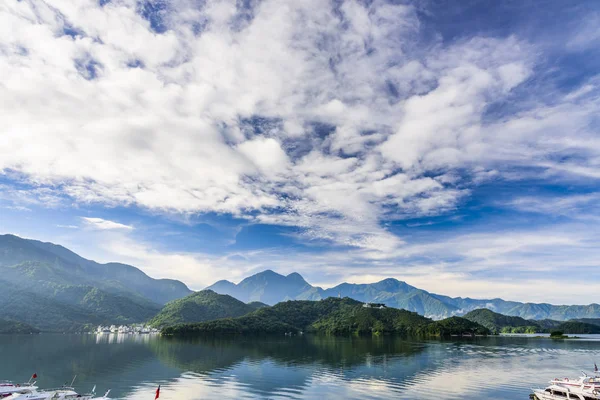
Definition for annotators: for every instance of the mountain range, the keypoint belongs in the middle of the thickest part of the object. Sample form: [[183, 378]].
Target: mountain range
[[51, 288], [270, 287]]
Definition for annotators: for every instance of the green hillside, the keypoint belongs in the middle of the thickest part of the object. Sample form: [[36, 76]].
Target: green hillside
[[202, 306], [14, 327], [54, 289], [547, 325], [592, 321], [360, 320], [575, 327], [455, 326], [29, 262], [87, 307], [331, 316], [257, 304], [499, 323]]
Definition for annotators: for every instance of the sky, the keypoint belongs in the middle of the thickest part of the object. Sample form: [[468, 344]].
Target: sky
[[454, 145]]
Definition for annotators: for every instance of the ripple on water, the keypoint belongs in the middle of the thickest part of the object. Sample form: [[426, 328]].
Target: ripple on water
[[497, 368]]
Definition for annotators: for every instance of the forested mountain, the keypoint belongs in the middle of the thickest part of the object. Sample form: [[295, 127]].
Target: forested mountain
[[575, 327], [12, 327], [331, 316], [499, 323], [52, 288], [271, 288], [593, 321], [202, 306]]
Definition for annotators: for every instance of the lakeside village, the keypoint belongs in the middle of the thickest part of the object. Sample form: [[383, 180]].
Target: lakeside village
[[126, 329]]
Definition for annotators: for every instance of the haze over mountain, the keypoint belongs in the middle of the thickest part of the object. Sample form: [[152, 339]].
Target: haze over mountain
[[52, 288], [271, 287]]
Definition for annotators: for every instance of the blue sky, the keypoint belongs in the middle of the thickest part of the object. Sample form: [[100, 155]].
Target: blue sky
[[450, 144]]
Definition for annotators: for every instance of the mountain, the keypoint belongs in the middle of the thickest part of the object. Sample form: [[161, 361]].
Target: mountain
[[502, 323], [201, 306], [14, 327], [52, 288], [257, 304], [331, 316], [547, 325], [271, 288], [506, 324], [592, 321], [574, 327], [32, 259], [267, 287]]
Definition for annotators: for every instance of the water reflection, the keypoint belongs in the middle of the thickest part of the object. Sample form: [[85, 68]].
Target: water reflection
[[296, 368]]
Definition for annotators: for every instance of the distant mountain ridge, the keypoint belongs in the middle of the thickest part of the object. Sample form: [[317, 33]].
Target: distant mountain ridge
[[270, 287], [52, 288], [267, 287]]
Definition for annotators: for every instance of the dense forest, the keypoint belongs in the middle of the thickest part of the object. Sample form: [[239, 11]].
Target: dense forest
[[7, 326], [201, 306], [498, 323], [331, 316]]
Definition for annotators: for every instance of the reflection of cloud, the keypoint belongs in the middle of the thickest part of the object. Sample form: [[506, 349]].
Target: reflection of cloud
[[458, 370]]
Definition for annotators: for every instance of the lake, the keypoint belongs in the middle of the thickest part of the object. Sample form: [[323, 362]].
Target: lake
[[304, 367]]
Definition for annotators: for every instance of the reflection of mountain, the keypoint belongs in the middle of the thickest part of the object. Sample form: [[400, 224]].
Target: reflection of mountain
[[289, 363], [204, 354], [260, 366], [96, 360], [271, 288]]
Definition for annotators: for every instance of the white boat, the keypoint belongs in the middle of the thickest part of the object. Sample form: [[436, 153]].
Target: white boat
[[585, 381], [64, 393], [556, 392], [7, 388], [583, 388]]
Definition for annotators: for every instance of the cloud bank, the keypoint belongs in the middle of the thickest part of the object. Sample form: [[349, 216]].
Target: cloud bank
[[333, 117]]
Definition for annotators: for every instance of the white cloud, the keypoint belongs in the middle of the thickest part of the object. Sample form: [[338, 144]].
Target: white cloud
[[67, 226], [512, 264], [266, 154], [104, 224], [171, 133], [577, 206]]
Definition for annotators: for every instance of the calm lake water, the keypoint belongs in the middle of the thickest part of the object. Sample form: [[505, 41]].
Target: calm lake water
[[296, 368]]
